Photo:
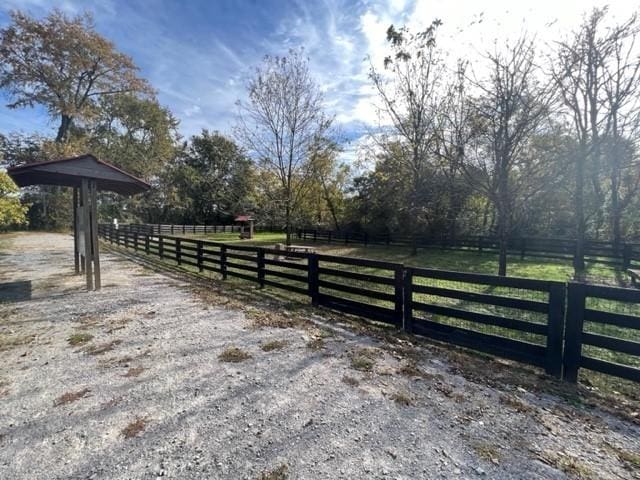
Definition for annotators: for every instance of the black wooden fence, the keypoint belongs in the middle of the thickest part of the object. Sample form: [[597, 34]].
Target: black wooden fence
[[555, 248], [173, 229], [519, 319]]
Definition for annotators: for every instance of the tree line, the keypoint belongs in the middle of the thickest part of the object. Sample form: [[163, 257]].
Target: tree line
[[527, 140]]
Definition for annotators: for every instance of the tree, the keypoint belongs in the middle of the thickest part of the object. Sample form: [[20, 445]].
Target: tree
[[511, 109], [12, 211], [63, 64], [214, 178], [408, 90], [579, 75], [279, 124]]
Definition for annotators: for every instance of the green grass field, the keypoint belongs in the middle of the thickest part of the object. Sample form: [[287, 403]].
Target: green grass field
[[455, 260]]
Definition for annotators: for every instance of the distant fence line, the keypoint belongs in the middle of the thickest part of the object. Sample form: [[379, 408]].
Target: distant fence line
[[560, 327], [555, 248], [596, 251]]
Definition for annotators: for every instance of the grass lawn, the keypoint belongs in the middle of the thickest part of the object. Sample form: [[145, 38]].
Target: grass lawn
[[456, 260]]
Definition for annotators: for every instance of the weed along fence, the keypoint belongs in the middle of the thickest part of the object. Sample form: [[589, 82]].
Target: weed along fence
[[559, 327], [553, 248]]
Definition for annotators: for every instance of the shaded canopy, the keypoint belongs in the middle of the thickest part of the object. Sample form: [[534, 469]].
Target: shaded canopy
[[69, 172]]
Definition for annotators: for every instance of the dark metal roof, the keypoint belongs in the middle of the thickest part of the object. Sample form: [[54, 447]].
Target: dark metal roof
[[69, 172]]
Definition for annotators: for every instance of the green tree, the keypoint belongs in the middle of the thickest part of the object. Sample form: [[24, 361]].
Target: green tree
[[12, 211], [214, 179], [63, 64]]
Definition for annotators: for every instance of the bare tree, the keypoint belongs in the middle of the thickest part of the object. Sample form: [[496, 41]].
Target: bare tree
[[621, 86], [511, 109], [454, 130], [408, 89], [580, 78], [279, 124]]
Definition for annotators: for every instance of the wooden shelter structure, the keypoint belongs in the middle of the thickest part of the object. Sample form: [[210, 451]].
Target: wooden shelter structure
[[86, 175], [246, 226]]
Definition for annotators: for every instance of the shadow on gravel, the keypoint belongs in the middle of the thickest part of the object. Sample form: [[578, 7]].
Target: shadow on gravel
[[12, 292]]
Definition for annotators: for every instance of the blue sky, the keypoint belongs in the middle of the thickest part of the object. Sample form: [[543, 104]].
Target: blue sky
[[198, 54]]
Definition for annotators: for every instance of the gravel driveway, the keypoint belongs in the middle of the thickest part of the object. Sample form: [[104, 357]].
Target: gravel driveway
[[155, 377]]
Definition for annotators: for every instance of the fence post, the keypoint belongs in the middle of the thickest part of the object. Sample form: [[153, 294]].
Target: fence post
[[314, 290], [199, 255], [626, 256], [135, 241], [126, 239], [398, 277], [346, 238], [523, 247], [408, 300], [555, 325], [194, 228], [161, 247], [366, 239], [146, 244], [576, 294], [223, 261], [480, 238], [260, 262], [183, 228], [315, 235], [178, 251], [329, 236]]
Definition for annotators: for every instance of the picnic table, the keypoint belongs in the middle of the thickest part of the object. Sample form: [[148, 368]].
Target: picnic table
[[635, 276]]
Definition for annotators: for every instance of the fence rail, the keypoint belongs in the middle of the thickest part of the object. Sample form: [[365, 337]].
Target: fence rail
[[516, 318], [554, 248]]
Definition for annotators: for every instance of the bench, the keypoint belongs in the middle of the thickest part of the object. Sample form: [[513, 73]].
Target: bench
[[635, 276], [294, 248]]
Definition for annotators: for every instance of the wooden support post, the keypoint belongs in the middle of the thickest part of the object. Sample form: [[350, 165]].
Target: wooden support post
[[398, 294], [576, 297], [408, 300], [94, 235], [161, 247], [178, 251], [223, 261], [260, 262], [627, 250], [76, 251], [199, 255], [313, 278], [555, 321], [86, 230]]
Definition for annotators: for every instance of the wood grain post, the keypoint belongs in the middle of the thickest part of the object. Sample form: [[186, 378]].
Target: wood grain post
[[178, 251], [76, 251], [626, 256], [95, 246], [86, 230], [146, 244], [576, 297]]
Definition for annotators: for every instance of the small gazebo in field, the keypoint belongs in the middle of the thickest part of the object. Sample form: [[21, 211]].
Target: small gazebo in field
[[86, 175], [246, 226]]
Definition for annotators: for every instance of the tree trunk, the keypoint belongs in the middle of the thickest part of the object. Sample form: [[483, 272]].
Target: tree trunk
[[63, 129], [288, 221], [578, 258]]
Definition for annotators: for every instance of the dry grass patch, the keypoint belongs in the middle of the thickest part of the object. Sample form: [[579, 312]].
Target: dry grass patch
[[354, 382], [102, 348], [8, 342], [515, 403], [488, 452], [279, 473], [274, 345], [402, 398], [79, 339], [134, 372], [631, 459], [234, 355], [316, 344], [134, 428], [364, 359], [568, 464], [70, 397]]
